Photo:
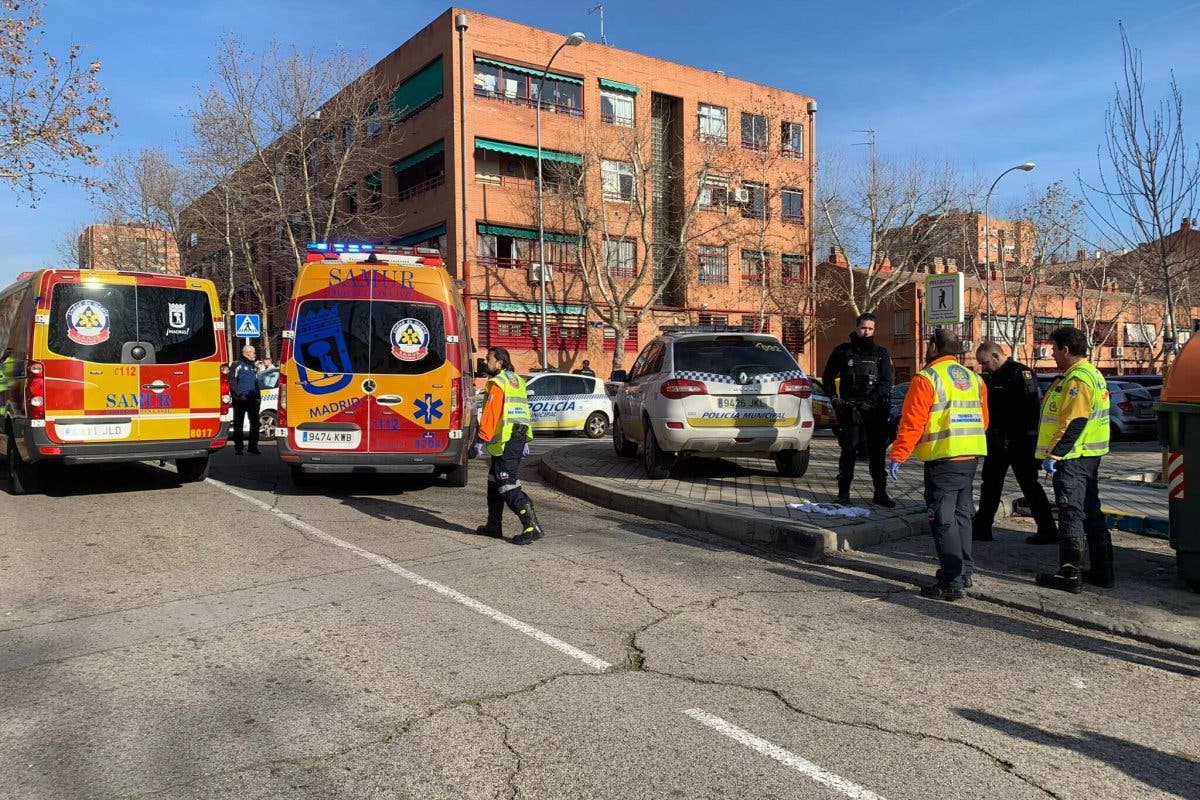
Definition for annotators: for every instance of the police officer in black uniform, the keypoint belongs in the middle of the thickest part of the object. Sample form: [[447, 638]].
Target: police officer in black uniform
[[859, 376], [1014, 409]]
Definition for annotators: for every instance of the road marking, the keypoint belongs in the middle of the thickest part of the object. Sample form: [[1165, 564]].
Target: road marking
[[801, 765], [458, 597]]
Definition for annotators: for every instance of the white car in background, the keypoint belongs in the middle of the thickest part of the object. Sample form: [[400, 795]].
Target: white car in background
[[560, 401]]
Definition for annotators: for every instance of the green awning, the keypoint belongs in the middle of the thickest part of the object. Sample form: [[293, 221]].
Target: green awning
[[534, 71], [525, 233], [620, 87], [420, 236], [526, 151], [419, 156], [421, 88], [374, 179], [517, 307]]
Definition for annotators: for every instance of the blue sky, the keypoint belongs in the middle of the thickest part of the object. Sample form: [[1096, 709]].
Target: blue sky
[[983, 84]]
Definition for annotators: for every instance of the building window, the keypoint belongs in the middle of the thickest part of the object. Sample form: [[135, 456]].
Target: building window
[[1140, 335], [617, 180], [418, 91], [754, 266], [522, 330], [420, 172], [1044, 326], [520, 85], [714, 264], [1105, 333], [374, 185], [348, 133], [756, 323], [754, 131], [791, 139], [714, 125], [620, 257], [902, 325], [352, 198], [631, 339], [903, 374], [755, 206], [374, 121], [792, 201], [517, 248], [794, 268], [1010, 330], [716, 320], [714, 192], [616, 108], [794, 335]]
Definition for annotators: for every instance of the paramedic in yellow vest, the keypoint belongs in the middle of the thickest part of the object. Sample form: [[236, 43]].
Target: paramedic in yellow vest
[[1072, 437], [944, 423], [505, 430]]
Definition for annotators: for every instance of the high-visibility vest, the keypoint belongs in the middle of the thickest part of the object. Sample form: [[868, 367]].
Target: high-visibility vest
[[516, 410], [955, 428], [1094, 439]]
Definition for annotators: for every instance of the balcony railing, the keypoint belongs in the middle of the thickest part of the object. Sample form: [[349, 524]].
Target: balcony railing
[[424, 186], [749, 211], [609, 118], [531, 102], [754, 144], [524, 264], [793, 217], [791, 152]]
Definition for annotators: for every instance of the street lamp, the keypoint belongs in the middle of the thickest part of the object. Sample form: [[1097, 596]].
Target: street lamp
[[573, 40], [987, 247]]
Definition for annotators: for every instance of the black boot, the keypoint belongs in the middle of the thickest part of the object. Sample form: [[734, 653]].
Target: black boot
[[881, 498], [495, 524], [532, 531], [1101, 573], [981, 530], [1069, 577], [843, 496]]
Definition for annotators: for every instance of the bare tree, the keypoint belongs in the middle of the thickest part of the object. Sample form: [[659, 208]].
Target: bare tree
[[886, 217], [149, 190], [66, 247], [1148, 177], [53, 109]]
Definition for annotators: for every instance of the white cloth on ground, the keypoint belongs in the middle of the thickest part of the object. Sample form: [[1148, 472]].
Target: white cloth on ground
[[829, 509]]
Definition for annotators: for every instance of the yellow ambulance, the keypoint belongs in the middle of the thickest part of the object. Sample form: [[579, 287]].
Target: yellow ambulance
[[376, 374], [99, 366]]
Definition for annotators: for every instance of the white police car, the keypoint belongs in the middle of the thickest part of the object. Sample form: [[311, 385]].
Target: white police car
[[563, 402]]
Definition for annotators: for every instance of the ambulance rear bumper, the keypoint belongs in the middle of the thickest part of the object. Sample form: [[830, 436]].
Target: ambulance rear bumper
[[334, 462], [35, 446]]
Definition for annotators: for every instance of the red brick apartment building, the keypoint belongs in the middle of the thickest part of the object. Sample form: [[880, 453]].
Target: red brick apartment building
[[723, 173], [129, 247]]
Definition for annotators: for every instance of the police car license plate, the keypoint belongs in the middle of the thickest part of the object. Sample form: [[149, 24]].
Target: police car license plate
[[740, 402], [326, 437]]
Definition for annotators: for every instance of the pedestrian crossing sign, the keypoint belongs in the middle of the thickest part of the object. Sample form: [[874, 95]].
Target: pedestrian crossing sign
[[247, 326]]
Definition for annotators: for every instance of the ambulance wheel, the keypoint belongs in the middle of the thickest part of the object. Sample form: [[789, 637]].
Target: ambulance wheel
[[792, 463], [192, 470], [300, 478], [23, 477], [656, 463], [456, 476], [596, 425], [624, 447]]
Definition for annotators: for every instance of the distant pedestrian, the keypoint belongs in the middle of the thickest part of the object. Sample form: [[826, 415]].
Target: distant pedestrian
[[1072, 438], [586, 369], [859, 377], [944, 423], [1014, 407], [268, 364], [243, 387]]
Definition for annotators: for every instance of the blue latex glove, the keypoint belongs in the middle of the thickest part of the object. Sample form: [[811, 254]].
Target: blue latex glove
[[525, 452], [478, 449], [1049, 466], [894, 470]]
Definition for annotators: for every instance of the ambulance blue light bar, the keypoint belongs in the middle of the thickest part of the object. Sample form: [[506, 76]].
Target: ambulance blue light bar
[[340, 247]]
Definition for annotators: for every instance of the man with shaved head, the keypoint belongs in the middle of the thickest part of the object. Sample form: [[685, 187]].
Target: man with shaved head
[[1014, 408]]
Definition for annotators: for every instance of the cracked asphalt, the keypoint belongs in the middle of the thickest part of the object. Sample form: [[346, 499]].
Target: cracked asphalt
[[166, 641]]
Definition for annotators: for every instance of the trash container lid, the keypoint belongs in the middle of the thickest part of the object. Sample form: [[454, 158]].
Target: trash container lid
[[1183, 378]]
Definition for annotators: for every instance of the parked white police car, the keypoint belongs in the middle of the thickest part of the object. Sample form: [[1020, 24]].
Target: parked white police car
[[563, 402]]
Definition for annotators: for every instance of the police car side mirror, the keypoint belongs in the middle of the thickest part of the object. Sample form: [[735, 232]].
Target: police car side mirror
[[531, 394], [619, 376]]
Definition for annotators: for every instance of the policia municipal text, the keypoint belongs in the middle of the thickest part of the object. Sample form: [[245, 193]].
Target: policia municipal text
[[944, 423], [1072, 437], [505, 430]]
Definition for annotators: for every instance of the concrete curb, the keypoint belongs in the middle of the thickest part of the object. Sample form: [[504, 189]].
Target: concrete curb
[[809, 541], [1124, 629]]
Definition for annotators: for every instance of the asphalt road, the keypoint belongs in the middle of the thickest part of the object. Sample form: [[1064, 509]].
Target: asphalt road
[[240, 638]]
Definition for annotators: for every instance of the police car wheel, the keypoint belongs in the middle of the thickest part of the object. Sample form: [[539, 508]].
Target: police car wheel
[[792, 463], [624, 447], [266, 425], [656, 463], [596, 425]]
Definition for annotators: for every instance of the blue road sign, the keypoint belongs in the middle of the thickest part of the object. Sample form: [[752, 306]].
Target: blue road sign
[[247, 326]]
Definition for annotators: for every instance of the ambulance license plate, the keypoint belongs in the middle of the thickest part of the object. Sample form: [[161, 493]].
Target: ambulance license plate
[[326, 437]]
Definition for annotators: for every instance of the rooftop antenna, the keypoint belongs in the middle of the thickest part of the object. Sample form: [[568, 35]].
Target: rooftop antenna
[[870, 142], [599, 7]]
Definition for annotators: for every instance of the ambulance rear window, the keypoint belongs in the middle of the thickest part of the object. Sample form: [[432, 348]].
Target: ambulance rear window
[[94, 322], [360, 336]]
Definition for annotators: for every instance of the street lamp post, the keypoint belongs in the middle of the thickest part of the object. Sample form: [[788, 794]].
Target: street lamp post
[[573, 40], [987, 248]]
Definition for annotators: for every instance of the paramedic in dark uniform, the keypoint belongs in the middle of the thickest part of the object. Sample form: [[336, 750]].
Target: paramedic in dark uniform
[[1014, 408], [859, 377], [505, 430]]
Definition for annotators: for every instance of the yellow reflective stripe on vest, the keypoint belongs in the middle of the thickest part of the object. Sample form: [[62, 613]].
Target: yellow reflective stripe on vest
[[955, 428], [516, 410], [1093, 441]]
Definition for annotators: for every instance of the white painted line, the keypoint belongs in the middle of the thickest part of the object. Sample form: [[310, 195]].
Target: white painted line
[[458, 597], [801, 765]]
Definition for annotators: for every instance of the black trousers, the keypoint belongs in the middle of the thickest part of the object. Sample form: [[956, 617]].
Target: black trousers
[[869, 429], [949, 498], [1019, 455], [504, 483], [1077, 493], [241, 410]]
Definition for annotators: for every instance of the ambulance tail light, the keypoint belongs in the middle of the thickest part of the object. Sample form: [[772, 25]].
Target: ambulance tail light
[[679, 388], [35, 390], [226, 399], [797, 387], [456, 411], [281, 406]]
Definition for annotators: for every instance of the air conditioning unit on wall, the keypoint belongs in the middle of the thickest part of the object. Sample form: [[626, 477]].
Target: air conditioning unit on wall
[[535, 273], [968, 347], [741, 196], [1043, 351], [1118, 352]]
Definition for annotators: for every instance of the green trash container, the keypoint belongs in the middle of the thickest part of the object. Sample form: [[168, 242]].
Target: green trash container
[[1179, 434]]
